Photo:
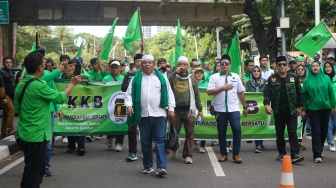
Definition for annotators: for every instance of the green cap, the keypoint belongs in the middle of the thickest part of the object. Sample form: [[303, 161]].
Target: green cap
[[206, 63], [300, 58]]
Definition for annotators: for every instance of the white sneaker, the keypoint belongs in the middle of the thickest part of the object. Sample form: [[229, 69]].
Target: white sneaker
[[332, 148], [318, 160], [118, 148], [227, 150], [65, 140]]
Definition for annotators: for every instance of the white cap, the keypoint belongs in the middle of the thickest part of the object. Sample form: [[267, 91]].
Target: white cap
[[147, 57], [182, 58], [115, 63], [331, 55]]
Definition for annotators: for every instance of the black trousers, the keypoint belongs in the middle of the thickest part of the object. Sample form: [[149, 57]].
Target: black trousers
[[72, 142], [283, 119], [34, 159], [119, 138], [319, 120], [132, 139]]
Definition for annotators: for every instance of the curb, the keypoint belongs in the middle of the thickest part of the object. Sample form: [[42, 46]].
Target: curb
[[8, 147]]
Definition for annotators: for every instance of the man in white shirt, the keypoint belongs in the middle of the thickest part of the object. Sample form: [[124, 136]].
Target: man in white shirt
[[227, 88], [266, 72], [148, 98]]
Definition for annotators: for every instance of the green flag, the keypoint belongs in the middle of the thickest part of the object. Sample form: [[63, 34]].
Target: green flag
[[107, 41], [33, 48], [314, 40], [133, 31], [178, 45], [79, 52], [225, 51], [234, 55], [172, 58]]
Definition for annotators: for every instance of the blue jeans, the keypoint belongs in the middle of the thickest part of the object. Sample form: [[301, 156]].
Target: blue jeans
[[153, 129], [222, 119], [331, 129], [49, 144]]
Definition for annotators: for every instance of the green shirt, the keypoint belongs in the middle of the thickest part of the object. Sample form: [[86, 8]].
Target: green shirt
[[34, 122], [247, 77], [97, 76], [109, 78], [203, 84]]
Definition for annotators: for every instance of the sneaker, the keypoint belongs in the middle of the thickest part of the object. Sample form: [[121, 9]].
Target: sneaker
[[202, 150], [258, 150], [280, 157], [88, 138], [227, 150], [213, 143], [237, 159], [161, 172], [332, 148], [188, 160], [301, 146], [173, 154], [318, 160], [131, 157], [47, 173], [118, 148], [65, 140], [263, 147], [148, 171], [109, 142], [297, 158], [98, 137], [223, 158], [81, 152]]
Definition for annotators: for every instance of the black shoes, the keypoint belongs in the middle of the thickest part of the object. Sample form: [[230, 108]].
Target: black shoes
[[280, 156], [81, 152], [297, 158]]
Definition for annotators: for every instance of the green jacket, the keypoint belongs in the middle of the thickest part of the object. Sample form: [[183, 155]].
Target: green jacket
[[293, 90], [34, 122], [315, 103]]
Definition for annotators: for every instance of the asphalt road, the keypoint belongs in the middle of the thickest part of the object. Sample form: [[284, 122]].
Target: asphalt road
[[102, 167]]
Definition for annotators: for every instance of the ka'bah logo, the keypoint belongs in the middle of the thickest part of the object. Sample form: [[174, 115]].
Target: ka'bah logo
[[273, 79], [179, 42], [316, 39]]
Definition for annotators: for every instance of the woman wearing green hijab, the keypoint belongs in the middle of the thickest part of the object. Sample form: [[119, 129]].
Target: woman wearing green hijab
[[318, 102]]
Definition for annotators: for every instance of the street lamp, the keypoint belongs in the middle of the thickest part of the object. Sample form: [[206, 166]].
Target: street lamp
[[217, 21]]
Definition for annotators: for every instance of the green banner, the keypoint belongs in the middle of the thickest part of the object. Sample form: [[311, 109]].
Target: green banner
[[257, 124], [92, 109], [98, 109]]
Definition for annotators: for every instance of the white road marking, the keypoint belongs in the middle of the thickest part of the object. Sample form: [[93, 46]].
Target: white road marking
[[214, 161], [8, 167]]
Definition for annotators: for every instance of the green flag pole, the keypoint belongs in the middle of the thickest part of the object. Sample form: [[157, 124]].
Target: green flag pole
[[178, 45]]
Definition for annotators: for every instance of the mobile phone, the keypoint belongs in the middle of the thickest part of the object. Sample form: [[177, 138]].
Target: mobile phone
[[78, 69]]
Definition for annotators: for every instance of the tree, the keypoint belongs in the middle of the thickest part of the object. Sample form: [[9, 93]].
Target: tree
[[61, 32]]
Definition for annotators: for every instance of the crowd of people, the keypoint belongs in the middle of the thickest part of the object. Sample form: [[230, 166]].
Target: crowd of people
[[156, 92]]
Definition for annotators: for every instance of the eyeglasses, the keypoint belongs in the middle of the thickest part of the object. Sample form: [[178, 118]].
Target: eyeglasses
[[300, 69], [114, 67], [256, 71], [282, 64], [225, 63]]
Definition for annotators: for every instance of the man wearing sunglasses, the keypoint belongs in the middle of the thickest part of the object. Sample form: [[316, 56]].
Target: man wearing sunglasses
[[228, 90], [292, 65], [283, 92]]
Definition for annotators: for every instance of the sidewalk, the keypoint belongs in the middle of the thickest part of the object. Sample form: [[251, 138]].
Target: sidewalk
[[8, 147]]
